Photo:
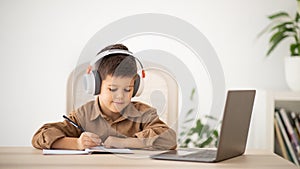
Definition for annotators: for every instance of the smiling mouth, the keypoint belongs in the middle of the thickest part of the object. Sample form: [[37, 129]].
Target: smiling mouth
[[118, 102]]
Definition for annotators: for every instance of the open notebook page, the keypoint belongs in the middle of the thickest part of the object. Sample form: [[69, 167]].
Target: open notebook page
[[98, 149]]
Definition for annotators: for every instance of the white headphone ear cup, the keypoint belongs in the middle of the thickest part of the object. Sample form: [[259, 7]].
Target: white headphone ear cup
[[92, 83], [89, 83], [97, 82], [140, 88]]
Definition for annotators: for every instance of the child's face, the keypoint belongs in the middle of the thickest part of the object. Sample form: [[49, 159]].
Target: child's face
[[116, 93]]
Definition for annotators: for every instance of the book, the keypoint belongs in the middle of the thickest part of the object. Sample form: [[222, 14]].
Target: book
[[63, 152], [286, 139], [296, 121], [280, 140], [101, 149], [92, 150], [291, 132]]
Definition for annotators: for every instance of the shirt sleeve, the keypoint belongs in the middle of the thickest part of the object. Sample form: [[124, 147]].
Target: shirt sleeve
[[155, 133], [50, 132]]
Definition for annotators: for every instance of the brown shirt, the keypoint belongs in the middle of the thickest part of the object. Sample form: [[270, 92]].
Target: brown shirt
[[137, 120]]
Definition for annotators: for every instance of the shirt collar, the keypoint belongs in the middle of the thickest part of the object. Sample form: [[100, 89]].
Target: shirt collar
[[131, 111], [96, 110]]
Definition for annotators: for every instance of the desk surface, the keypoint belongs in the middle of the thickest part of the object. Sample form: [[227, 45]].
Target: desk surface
[[28, 157]]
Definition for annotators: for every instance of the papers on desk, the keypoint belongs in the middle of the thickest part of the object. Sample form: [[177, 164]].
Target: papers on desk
[[93, 150], [101, 149], [63, 152]]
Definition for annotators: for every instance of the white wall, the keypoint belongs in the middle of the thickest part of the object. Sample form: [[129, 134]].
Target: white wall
[[41, 40]]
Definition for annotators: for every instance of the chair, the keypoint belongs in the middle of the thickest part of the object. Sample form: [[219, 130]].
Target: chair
[[161, 92], [76, 96]]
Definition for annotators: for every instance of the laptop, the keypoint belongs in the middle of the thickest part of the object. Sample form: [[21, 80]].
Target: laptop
[[233, 134]]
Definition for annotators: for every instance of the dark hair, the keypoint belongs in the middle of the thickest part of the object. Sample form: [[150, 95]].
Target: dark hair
[[116, 64]]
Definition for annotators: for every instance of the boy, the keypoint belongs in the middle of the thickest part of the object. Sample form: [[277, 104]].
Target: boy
[[112, 119]]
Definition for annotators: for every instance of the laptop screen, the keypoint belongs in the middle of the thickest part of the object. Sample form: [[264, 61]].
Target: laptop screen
[[235, 124]]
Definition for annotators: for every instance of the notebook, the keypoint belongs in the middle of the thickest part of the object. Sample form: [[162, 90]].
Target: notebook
[[92, 150], [233, 134]]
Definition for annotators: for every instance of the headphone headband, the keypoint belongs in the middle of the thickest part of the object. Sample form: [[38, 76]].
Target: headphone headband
[[92, 79], [109, 52]]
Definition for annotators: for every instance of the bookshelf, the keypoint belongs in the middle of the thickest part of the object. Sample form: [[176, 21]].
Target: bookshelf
[[290, 101]]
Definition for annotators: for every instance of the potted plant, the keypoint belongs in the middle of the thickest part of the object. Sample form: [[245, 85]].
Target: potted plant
[[200, 134], [283, 26]]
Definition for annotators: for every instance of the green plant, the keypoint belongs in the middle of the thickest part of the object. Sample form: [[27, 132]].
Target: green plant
[[283, 26], [200, 135], [204, 136]]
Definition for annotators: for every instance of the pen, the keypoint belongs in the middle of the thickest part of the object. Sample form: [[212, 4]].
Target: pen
[[73, 123]]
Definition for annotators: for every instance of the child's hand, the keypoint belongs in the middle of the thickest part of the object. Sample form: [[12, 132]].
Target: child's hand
[[114, 142], [127, 142], [87, 140]]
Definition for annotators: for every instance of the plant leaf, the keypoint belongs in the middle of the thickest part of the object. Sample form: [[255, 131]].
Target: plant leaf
[[189, 112], [189, 120], [275, 43], [192, 94], [297, 18], [211, 117], [295, 49], [283, 26], [278, 15], [206, 142], [274, 38], [216, 133], [187, 141], [182, 133]]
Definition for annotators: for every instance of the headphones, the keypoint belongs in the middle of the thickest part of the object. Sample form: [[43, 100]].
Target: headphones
[[92, 80]]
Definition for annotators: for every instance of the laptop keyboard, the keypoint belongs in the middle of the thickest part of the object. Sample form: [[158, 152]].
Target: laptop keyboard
[[202, 154]]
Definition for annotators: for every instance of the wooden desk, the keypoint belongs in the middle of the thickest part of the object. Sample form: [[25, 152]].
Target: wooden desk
[[28, 157]]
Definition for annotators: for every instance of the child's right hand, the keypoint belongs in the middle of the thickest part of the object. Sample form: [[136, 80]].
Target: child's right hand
[[87, 140]]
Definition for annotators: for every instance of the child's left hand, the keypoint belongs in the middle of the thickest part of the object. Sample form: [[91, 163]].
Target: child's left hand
[[127, 142], [114, 142]]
